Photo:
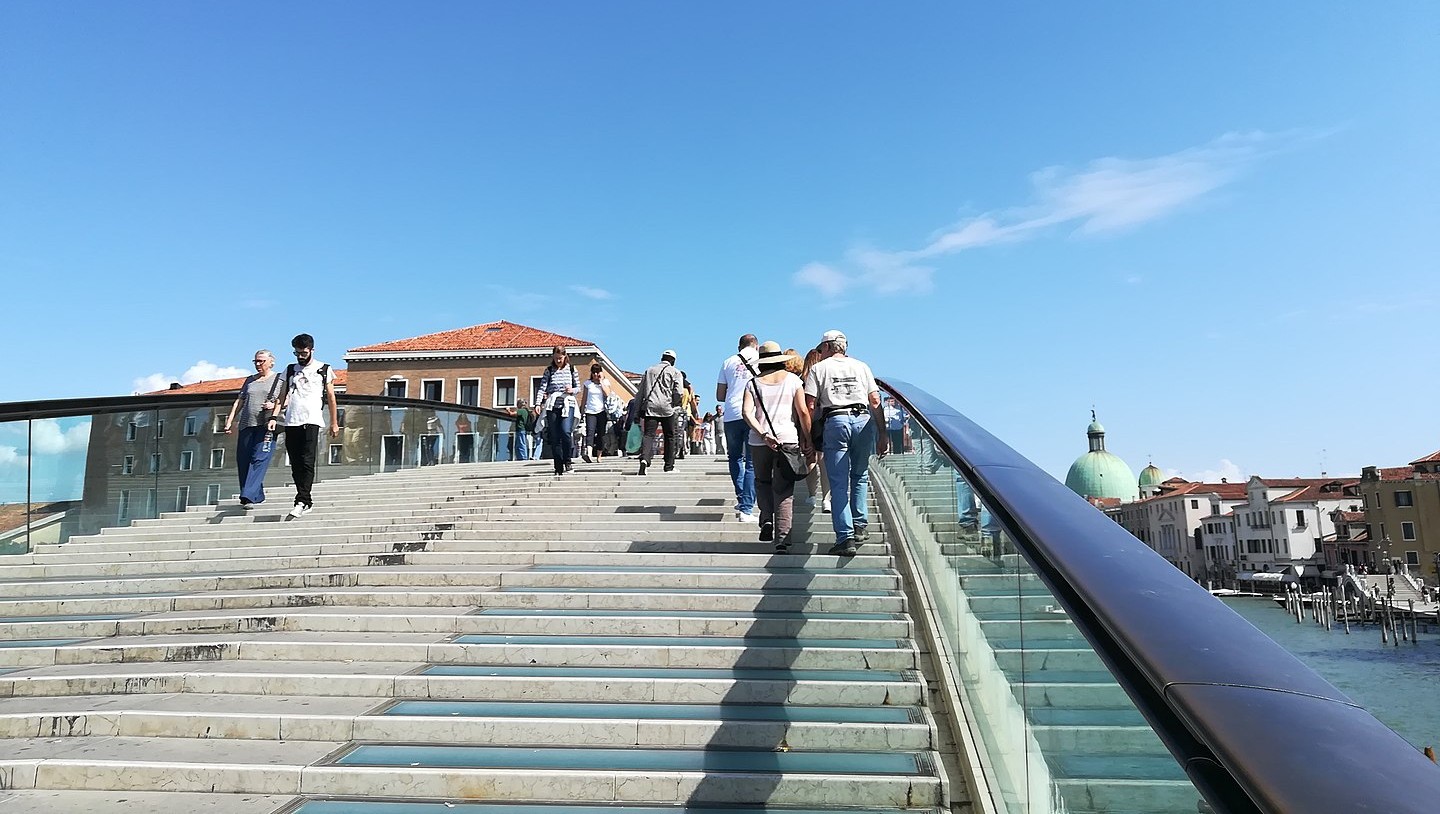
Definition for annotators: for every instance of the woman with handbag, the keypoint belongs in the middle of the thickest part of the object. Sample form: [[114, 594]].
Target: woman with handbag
[[558, 387], [255, 409], [774, 407]]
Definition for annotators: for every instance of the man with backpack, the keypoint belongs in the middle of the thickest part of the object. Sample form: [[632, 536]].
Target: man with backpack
[[661, 389], [307, 394]]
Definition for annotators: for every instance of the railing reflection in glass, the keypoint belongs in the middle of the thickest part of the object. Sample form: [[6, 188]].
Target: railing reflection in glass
[[78, 474], [1055, 731]]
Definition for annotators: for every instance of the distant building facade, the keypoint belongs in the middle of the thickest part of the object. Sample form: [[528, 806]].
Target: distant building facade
[[1402, 513]]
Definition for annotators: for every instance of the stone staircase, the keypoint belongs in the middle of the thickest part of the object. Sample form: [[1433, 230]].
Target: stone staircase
[[466, 637]]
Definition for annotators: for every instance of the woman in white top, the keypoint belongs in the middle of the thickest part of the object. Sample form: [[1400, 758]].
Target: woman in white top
[[775, 409], [593, 395]]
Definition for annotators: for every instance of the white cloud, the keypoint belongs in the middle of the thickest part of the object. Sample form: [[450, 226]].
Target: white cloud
[[1226, 470], [830, 282], [201, 371], [9, 456], [49, 439], [1109, 195], [592, 293]]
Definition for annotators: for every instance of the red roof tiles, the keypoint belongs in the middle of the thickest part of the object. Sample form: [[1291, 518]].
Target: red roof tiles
[[1432, 458], [226, 386], [489, 336]]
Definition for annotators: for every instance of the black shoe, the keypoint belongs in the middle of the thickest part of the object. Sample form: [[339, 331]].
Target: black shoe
[[670, 468], [782, 545], [767, 531], [585, 456], [643, 466], [862, 534], [839, 548], [569, 467], [850, 549]]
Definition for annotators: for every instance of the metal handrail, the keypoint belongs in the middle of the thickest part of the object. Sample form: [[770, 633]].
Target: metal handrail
[[1253, 727], [62, 408]]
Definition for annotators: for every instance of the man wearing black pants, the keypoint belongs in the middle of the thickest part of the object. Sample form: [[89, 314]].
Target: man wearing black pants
[[308, 393]]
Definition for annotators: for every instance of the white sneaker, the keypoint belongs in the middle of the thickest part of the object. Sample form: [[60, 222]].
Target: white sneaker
[[300, 510], [825, 504], [746, 518], [249, 507]]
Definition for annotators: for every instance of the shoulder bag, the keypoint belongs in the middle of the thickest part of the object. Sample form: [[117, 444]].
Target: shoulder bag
[[793, 460]]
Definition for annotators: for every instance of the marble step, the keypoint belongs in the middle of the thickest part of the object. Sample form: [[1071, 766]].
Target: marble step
[[421, 681], [462, 620], [122, 605], [615, 775], [506, 648], [528, 723]]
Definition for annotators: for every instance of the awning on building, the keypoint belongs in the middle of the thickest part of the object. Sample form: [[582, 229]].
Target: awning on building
[[1266, 576]]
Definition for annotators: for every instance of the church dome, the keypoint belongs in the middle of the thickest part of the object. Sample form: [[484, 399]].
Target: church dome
[[1098, 473], [1151, 476]]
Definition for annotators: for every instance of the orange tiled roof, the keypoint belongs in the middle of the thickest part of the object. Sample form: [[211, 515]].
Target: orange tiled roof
[[1226, 491], [1432, 458], [227, 385], [1348, 517], [1315, 491], [489, 336]]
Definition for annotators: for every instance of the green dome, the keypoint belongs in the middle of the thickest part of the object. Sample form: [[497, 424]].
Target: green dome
[[1102, 474], [1151, 476], [1098, 473]]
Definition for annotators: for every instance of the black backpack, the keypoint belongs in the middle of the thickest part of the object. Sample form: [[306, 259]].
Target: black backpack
[[324, 371]]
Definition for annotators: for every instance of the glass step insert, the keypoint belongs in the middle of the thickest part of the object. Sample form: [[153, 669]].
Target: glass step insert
[[39, 642], [675, 712], [709, 761], [399, 807], [525, 589], [686, 569], [722, 673], [93, 617], [684, 641], [1056, 716], [1062, 677], [1117, 767], [878, 617]]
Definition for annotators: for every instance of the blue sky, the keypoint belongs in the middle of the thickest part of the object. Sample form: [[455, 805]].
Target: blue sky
[[1216, 223]]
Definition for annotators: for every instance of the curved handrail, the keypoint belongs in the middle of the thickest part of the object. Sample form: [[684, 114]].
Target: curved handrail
[[1255, 729], [61, 408]]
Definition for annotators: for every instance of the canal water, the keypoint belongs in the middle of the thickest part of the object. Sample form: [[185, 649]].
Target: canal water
[[1398, 685]]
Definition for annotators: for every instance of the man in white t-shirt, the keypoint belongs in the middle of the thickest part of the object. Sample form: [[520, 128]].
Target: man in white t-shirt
[[308, 388], [841, 392], [735, 373]]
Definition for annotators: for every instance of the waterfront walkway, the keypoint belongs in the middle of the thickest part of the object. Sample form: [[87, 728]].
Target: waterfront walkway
[[481, 632]]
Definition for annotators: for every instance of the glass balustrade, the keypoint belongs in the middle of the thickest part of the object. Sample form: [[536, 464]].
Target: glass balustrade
[[1055, 731], [111, 464]]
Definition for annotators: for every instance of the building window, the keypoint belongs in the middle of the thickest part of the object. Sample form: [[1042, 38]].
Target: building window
[[1407, 530], [150, 503], [1194, 504], [182, 498], [124, 510], [192, 425], [217, 424], [505, 392], [535, 391], [1412, 557], [131, 431], [212, 494], [432, 389], [340, 417], [154, 462], [469, 392], [396, 388], [1403, 498], [160, 428], [1300, 518], [217, 458], [187, 460], [337, 454], [127, 466]]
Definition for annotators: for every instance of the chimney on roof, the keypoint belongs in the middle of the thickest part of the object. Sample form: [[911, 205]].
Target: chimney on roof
[[175, 385], [1224, 480]]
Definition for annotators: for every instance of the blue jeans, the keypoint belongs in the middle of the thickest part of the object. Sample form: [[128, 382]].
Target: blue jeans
[[742, 466], [522, 445], [972, 514], [849, 443], [559, 426], [252, 458]]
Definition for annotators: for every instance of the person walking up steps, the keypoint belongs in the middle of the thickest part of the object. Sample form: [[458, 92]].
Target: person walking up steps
[[842, 391], [735, 373], [659, 399], [308, 397], [779, 421]]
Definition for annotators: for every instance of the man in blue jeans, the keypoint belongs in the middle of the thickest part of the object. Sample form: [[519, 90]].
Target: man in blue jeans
[[735, 374], [842, 392]]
